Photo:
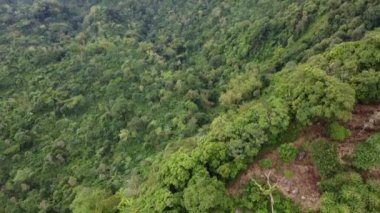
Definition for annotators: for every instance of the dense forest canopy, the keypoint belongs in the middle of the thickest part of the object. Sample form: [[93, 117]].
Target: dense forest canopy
[[158, 105]]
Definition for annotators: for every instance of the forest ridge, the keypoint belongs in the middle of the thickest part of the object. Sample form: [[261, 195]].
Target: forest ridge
[[189, 106]]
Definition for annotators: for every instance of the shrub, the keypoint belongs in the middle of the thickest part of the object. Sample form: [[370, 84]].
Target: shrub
[[288, 174], [287, 135], [266, 163], [367, 154], [325, 157], [287, 152], [338, 132], [348, 192]]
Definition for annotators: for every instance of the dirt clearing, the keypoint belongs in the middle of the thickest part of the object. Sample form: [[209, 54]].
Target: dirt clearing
[[300, 183]]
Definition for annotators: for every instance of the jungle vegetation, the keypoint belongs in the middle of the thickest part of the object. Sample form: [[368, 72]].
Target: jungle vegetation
[[157, 105]]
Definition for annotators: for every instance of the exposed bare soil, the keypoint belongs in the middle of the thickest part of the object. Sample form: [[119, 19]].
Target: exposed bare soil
[[365, 122], [302, 185]]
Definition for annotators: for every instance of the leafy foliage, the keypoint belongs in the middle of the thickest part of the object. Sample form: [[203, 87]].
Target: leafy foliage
[[311, 95], [356, 63], [94, 93], [288, 152], [241, 88], [266, 163], [205, 194], [366, 85], [254, 200], [94, 200], [288, 174], [348, 192], [325, 157], [176, 171], [338, 132], [367, 154]]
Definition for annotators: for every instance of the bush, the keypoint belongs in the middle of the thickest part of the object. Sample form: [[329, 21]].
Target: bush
[[325, 157], [338, 132], [288, 174], [348, 192], [266, 163], [367, 154], [287, 152]]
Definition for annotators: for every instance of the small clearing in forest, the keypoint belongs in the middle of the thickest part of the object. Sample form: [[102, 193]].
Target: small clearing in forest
[[301, 185]]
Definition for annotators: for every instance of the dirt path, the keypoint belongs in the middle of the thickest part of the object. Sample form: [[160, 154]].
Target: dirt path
[[302, 185], [365, 122]]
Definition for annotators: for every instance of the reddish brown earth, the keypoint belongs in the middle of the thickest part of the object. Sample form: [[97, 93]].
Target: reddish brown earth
[[302, 186], [365, 122]]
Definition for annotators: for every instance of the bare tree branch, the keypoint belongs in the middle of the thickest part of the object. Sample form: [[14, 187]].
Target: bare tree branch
[[270, 189]]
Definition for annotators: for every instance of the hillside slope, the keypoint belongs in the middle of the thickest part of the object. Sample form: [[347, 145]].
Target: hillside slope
[[302, 186], [136, 105]]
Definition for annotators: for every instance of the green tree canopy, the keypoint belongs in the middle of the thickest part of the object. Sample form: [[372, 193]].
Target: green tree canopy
[[313, 95], [205, 194]]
